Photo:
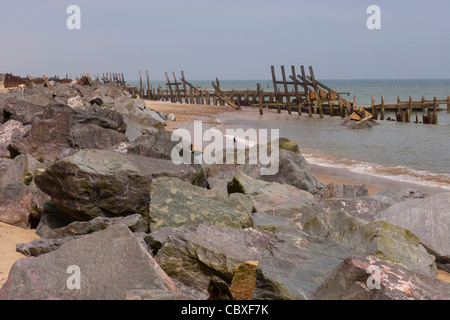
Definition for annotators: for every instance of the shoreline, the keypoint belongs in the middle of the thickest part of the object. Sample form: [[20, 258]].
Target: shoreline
[[187, 114]]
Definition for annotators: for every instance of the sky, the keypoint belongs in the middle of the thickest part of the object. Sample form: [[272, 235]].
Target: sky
[[228, 39]]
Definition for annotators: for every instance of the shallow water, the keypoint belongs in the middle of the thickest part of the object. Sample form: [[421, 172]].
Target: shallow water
[[410, 152]]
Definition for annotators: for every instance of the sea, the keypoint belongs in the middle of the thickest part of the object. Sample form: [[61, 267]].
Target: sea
[[415, 153]]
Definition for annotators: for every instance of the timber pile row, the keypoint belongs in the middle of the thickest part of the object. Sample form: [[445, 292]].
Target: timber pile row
[[297, 92]]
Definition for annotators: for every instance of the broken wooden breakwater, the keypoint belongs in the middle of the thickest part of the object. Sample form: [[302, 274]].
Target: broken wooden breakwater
[[293, 92], [403, 110], [306, 92]]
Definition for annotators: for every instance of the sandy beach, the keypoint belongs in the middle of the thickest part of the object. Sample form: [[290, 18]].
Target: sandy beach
[[9, 237], [2, 88], [185, 114]]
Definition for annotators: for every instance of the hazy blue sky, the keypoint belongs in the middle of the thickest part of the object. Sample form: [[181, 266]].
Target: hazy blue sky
[[233, 39]]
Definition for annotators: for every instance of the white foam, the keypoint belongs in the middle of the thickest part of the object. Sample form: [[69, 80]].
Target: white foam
[[425, 178]]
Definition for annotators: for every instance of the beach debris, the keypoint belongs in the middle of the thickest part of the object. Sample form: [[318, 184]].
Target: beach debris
[[48, 84], [362, 118], [85, 81]]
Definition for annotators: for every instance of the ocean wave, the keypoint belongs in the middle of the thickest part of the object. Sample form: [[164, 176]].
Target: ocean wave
[[397, 173]]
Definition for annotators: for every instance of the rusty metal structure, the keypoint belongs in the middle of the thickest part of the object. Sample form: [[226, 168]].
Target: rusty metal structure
[[12, 81]]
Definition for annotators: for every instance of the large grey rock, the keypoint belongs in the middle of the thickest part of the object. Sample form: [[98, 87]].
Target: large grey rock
[[45, 140], [10, 131], [4, 164], [428, 218], [288, 144], [400, 194], [272, 223], [158, 144], [129, 109], [292, 169], [179, 204], [42, 246], [22, 111], [365, 208], [92, 136], [40, 96], [93, 183], [135, 130], [291, 264], [134, 222], [380, 238], [111, 262], [15, 203], [22, 169], [270, 197], [51, 218], [336, 190], [65, 91], [350, 281], [78, 103], [105, 118], [37, 204]]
